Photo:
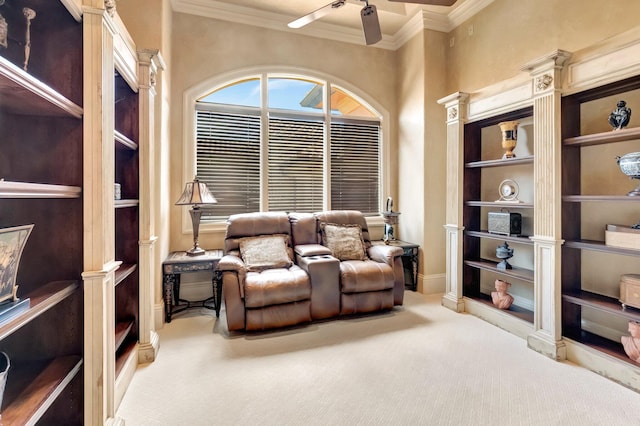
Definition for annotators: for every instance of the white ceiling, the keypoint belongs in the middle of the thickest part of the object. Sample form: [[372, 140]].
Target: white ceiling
[[398, 21]]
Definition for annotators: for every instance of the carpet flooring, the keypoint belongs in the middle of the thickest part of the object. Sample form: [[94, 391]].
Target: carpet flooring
[[420, 364]]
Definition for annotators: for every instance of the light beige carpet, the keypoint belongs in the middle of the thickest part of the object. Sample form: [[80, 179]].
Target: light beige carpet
[[421, 364]]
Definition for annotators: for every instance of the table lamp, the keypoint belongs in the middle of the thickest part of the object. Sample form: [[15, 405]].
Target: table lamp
[[195, 193]]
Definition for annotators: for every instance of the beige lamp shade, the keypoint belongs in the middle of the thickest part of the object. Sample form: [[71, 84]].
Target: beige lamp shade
[[196, 192]]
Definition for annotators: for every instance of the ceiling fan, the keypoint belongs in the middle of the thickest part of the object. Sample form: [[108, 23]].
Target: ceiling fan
[[369, 15]]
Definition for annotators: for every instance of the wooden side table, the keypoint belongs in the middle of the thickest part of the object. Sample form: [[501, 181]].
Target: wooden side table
[[409, 261], [178, 263]]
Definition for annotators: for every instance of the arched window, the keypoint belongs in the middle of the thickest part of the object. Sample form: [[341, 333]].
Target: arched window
[[270, 143]]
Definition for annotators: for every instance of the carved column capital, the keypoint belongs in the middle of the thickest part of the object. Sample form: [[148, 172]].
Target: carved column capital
[[545, 71], [110, 7], [455, 105]]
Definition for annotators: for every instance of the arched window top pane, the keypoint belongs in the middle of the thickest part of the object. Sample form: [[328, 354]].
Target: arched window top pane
[[343, 104], [295, 94], [244, 93]]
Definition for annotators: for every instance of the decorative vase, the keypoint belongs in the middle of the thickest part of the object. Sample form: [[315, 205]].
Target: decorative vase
[[504, 252], [630, 166], [619, 117], [509, 131], [390, 219]]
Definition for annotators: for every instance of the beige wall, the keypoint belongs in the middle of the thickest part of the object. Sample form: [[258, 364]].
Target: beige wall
[[205, 48], [509, 33]]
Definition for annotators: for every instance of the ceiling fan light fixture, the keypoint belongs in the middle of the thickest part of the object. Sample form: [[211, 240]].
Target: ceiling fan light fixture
[[370, 24]]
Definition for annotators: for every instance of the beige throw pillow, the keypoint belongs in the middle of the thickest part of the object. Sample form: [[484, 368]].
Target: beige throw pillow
[[344, 241], [265, 252]]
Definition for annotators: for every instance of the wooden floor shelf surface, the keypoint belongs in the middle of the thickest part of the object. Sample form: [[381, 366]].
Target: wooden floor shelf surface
[[123, 329], [124, 354], [41, 390], [609, 347], [516, 311]]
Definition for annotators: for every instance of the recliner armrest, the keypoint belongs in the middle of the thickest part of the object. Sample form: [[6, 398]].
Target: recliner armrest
[[231, 263], [384, 254], [306, 250]]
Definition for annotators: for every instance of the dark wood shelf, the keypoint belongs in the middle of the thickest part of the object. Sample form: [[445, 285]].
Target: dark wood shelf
[[488, 265], [604, 137], [602, 303], [522, 239], [123, 204], [599, 343], [41, 300], [516, 311], [10, 189], [126, 351], [42, 390], [500, 162], [599, 246], [124, 142], [23, 94], [123, 329], [499, 204], [599, 198], [123, 272]]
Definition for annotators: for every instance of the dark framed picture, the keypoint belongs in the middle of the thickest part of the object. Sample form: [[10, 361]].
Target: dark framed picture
[[12, 242]]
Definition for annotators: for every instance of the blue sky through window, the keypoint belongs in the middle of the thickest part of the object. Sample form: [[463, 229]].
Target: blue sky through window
[[284, 93], [292, 94]]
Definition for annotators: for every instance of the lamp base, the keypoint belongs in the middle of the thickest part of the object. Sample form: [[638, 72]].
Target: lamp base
[[196, 251]]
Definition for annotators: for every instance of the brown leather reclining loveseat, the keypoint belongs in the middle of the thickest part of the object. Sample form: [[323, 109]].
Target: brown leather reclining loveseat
[[285, 269]]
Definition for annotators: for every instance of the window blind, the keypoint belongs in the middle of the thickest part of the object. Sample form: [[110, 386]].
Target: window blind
[[228, 161], [355, 166], [295, 164]]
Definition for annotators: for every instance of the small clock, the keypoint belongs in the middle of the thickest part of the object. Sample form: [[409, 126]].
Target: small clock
[[508, 190]]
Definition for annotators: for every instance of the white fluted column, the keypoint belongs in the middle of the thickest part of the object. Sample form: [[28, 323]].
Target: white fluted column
[[546, 74], [456, 105]]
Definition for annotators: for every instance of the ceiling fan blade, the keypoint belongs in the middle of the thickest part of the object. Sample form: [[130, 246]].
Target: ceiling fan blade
[[429, 2], [370, 24], [316, 14]]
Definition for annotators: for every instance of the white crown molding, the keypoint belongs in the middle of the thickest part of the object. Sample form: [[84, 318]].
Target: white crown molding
[[244, 15], [465, 11]]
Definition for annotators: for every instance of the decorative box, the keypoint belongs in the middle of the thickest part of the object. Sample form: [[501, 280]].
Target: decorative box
[[630, 290], [505, 223], [622, 236]]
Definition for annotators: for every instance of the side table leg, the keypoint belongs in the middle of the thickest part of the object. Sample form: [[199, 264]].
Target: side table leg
[[168, 282], [414, 261], [217, 291]]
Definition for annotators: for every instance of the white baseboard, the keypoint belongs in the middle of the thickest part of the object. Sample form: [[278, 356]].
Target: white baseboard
[[432, 284], [158, 315]]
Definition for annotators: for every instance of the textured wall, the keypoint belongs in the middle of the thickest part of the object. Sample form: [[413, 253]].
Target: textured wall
[[509, 33]]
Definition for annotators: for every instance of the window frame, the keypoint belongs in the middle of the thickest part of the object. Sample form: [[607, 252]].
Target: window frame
[[205, 87]]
